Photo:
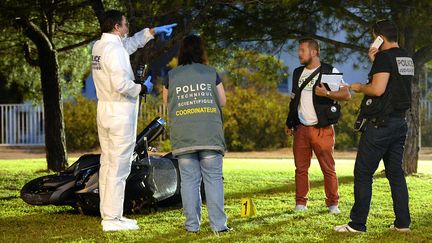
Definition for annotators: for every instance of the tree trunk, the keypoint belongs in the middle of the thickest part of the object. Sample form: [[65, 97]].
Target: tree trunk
[[55, 141], [412, 146], [54, 126], [411, 151]]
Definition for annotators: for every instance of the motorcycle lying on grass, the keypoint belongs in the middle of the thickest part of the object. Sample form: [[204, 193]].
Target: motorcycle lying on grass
[[154, 181]]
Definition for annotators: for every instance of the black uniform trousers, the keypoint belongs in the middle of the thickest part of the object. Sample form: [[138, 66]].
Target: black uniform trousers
[[376, 143]]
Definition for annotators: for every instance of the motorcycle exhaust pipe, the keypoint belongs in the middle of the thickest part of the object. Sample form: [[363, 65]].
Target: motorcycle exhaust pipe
[[149, 134]]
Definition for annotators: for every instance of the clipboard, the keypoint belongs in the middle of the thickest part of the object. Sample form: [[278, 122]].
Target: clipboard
[[332, 81]]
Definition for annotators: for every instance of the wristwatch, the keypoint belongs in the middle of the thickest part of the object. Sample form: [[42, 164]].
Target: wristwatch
[[327, 93]]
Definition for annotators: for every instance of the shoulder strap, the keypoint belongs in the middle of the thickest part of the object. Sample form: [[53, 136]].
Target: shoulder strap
[[295, 101], [326, 68], [309, 79]]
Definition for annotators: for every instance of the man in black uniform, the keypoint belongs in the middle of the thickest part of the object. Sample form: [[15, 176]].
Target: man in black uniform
[[387, 98]]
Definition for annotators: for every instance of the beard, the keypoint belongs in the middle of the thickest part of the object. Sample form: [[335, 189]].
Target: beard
[[306, 62]]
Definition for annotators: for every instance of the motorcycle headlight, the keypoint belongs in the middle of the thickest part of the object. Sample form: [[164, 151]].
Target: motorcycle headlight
[[161, 121]]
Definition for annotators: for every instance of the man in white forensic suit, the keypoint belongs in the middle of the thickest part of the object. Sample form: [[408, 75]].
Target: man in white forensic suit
[[117, 111]]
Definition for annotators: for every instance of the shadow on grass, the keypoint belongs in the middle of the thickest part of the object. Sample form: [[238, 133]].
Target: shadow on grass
[[421, 231], [281, 226], [290, 187], [278, 225], [285, 188], [68, 225], [57, 224], [9, 198]]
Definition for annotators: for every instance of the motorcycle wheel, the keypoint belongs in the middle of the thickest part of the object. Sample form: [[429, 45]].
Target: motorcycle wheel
[[35, 193], [88, 204]]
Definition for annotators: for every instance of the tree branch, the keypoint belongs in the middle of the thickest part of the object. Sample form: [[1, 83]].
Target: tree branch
[[300, 33], [72, 8], [351, 15], [235, 8], [198, 19], [34, 33], [328, 40], [131, 14], [68, 10], [98, 9], [423, 55], [84, 42], [27, 56], [76, 34]]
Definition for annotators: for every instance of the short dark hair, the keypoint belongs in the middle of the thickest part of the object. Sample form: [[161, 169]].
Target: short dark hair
[[192, 51], [387, 29], [313, 44], [111, 18]]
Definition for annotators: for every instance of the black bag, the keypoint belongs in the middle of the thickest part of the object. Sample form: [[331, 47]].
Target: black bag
[[327, 114]]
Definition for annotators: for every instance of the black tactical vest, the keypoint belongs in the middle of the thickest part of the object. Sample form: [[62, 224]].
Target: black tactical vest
[[327, 110]]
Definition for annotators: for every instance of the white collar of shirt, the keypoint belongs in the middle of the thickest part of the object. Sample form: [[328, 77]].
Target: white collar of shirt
[[108, 37], [311, 70]]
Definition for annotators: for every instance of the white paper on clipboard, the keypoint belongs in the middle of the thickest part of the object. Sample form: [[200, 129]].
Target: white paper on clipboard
[[333, 80]]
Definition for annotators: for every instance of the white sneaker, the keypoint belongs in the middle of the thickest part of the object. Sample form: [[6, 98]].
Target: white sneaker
[[131, 221], [127, 220], [300, 207], [117, 225], [334, 209], [399, 229], [346, 228]]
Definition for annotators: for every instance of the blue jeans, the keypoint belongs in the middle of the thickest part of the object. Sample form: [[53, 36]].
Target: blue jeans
[[378, 143], [202, 165]]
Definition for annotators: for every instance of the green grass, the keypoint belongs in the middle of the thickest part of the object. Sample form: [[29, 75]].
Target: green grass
[[269, 182]]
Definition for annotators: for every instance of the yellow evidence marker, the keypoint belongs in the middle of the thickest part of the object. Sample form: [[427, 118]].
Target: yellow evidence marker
[[247, 207]]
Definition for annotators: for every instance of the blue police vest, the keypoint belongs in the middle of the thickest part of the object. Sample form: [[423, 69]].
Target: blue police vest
[[194, 112]]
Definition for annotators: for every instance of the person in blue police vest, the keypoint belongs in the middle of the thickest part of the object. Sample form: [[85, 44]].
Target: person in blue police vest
[[195, 95]]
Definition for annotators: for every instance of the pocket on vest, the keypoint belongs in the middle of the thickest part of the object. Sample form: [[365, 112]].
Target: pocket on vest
[[372, 106], [327, 114]]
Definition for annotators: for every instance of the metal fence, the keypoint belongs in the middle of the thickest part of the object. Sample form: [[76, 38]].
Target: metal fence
[[21, 124], [427, 107]]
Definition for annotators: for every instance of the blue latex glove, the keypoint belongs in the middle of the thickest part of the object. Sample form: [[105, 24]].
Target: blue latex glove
[[148, 84], [167, 29]]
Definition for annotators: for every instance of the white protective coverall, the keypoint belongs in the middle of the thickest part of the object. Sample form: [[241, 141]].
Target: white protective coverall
[[117, 112]]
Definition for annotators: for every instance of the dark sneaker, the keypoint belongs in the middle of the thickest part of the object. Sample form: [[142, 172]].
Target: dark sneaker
[[227, 230]]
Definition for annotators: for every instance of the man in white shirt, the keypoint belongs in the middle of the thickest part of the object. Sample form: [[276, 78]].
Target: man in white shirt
[[313, 111]]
